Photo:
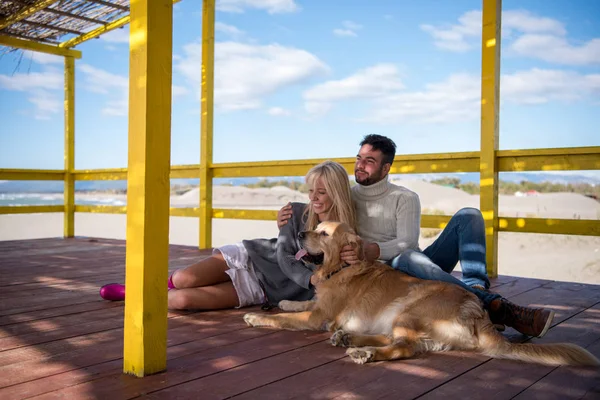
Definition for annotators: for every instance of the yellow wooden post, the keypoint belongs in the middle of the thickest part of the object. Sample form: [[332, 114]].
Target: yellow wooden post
[[490, 100], [69, 192], [206, 123], [148, 186]]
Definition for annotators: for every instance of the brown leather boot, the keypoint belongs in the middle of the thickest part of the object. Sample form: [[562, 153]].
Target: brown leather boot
[[528, 321]]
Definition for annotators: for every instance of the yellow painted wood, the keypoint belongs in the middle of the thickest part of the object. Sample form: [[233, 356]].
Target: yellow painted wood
[[551, 226], [505, 224], [206, 123], [30, 209], [31, 174], [148, 187], [490, 100], [116, 24], [244, 214], [25, 12], [112, 174], [561, 159], [16, 43], [95, 32], [185, 171], [101, 209], [69, 188]]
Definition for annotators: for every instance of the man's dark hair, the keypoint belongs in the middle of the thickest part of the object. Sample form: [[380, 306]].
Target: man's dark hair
[[383, 144]]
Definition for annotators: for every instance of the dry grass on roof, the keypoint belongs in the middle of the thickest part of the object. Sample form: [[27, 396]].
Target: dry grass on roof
[[61, 20]]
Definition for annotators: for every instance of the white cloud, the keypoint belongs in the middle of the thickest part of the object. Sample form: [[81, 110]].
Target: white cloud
[[370, 82], [458, 97], [555, 49], [116, 87], [230, 30], [43, 58], [116, 36], [454, 37], [246, 73], [534, 36], [279, 112], [42, 89], [349, 29], [271, 6], [343, 32]]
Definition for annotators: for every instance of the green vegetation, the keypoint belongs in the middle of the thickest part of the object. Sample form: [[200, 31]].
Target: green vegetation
[[511, 188]]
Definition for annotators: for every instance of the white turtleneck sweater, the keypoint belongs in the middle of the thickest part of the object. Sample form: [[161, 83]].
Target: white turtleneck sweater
[[388, 215]]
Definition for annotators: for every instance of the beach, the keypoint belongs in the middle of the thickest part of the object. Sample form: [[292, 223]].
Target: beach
[[559, 257]]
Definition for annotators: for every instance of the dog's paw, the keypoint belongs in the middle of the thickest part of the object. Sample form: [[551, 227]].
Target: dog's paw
[[340, 339], [252, 319], [361, 355]]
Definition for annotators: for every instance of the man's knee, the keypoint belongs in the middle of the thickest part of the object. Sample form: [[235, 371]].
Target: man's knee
[[402, 261], [469, 214]]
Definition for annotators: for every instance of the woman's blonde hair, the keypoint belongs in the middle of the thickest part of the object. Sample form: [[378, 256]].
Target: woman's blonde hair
[[337, 185]]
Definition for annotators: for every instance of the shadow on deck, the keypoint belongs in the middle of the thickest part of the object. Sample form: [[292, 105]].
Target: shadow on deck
[[59, 339]]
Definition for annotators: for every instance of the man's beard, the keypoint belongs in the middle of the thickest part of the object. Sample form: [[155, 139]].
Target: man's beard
[[370, 179]]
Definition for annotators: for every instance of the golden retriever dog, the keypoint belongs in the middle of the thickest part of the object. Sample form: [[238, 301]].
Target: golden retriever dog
[[379, 313]]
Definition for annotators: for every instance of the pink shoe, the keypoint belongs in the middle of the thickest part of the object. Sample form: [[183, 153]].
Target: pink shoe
[[113, 292]]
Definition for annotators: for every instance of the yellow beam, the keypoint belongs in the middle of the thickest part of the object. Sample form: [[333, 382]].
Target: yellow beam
[[30, 209], [69, 191], [244, 214], [206, 123], [561, 159], [551, 226], [10, 41], [8, 174], [112, 174], [505, 224], [147, 252], [95, 33], [25, 12], [101, 209], [116, 24], [490, 99]]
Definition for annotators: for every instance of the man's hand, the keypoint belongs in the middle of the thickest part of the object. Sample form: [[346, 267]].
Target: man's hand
[[283, 215], [350, 254]]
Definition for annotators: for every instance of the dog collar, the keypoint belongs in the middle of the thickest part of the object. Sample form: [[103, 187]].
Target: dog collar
[[344, 265]]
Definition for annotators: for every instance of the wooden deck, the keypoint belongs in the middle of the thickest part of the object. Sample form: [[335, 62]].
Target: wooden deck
[[59, 339]]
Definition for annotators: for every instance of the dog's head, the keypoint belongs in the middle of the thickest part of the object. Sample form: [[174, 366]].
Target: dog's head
[[327, 240]]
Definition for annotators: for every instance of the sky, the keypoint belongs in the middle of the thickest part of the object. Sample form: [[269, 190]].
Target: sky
[[297, 79]]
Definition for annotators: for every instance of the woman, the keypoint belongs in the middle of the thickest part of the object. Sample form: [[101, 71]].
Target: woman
[[261, 271]]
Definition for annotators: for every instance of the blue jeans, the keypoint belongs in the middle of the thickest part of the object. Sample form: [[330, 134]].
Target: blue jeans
[[462, 240]]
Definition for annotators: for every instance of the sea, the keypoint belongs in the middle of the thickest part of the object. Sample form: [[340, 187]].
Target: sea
[[52, 199]]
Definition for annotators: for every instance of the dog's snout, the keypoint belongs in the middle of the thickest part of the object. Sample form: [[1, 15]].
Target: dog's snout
[[301, 235]]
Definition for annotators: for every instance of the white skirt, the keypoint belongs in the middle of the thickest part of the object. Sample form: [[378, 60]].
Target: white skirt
[[241, 272]]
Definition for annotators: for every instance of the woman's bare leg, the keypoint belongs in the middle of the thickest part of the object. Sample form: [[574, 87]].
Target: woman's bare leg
[[207, 272], [213, 297]]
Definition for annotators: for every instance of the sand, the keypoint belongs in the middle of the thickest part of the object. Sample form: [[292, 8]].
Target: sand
[[559, 257]]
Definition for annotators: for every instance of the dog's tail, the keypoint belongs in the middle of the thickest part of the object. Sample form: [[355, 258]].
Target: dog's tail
[[493, 344]]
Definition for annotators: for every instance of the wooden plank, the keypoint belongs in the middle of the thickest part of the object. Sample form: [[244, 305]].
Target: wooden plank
[[566, 383], [82, 365], [254, 375], [191, 366], [502, 379], [344, 379]]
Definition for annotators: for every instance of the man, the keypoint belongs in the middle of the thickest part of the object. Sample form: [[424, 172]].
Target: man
[[389, 224]]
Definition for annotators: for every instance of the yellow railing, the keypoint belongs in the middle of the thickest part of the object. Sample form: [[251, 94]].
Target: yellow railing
[[563, 159]]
